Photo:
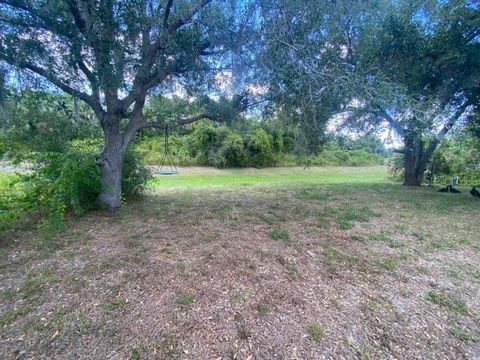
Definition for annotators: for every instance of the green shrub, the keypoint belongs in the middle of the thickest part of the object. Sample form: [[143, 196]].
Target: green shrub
[[62, 182], [12, 199], [259, 148], [229, 154], [134, 175]]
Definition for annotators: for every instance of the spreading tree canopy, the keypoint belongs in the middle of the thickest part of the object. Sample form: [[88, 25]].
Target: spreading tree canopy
[[113, 53], [420, 63]]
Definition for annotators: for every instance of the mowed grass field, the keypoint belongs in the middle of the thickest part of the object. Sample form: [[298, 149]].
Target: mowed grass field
[[196, 177], [252, 264]]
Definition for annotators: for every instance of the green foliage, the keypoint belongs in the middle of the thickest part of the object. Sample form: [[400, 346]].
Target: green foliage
[[134, 175], [64, 182], [229, 154], [259, 148], [223, 147], [12, 199], [39, 121]]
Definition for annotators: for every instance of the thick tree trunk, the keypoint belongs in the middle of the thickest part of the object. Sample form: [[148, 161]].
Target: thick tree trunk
[[414, 161], [111, 165]]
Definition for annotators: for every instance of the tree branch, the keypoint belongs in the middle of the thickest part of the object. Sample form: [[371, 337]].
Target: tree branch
[[177, 122], [90, 100], [167, 13], [393, 123], [443, 131]]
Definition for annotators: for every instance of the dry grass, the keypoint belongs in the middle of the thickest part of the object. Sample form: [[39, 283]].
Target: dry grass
[[298, 271]]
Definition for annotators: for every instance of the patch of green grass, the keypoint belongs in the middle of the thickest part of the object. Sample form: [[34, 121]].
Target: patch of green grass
[[279, 234], [186, 299], [8, 294], [116, 304], [36, 281], [476, 273], [11, 315], [448, 301], [349, 214], [462, 334], [316, 331], [241, 177], [385, 238]]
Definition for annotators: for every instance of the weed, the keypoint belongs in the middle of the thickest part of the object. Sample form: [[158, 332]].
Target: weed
[[373, 305], [279, 234], [292, 271], [316, 331], [36, 281], [168, 250], [241, 297], [311, 194], [8, 294], [336, 303], [186, 299], [383, 237], [404, 291], [136, 353]]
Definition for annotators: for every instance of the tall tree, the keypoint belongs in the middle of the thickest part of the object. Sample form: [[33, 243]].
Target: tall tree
[[420, 63], [112, 53]]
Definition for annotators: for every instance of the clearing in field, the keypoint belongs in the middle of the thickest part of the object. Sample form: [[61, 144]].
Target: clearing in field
[[251, 264]]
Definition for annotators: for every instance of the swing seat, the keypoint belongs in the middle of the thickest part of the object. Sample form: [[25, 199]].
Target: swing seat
[[167, 172]]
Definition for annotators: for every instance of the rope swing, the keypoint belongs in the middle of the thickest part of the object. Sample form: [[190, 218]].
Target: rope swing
[[167, 165]]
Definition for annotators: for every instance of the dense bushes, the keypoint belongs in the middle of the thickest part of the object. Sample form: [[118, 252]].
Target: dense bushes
[[63, 182], [259, 148], [221, 147]]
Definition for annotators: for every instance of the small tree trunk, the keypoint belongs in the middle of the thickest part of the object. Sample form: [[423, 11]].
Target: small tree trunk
[[111, 165]]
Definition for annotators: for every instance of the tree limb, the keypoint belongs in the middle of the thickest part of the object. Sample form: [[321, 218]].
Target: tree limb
[[177, 122], [443, 131]]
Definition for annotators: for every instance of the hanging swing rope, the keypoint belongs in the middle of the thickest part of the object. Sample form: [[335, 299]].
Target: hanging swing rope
[[167, 159]]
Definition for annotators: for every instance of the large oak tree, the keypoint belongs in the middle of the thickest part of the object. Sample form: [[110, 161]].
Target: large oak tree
[[420, 62], [113, 53]]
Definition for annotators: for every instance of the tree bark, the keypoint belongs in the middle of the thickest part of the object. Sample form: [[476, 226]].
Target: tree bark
[[414, 162], [111, 164]]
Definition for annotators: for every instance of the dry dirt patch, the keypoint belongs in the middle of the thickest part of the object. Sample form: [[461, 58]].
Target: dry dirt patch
[[298, 272]]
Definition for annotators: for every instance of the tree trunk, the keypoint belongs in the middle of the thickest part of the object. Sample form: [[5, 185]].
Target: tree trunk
[[414, 162], [111, 165]]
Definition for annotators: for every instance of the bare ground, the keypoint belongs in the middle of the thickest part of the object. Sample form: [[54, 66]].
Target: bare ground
[[257, 272]]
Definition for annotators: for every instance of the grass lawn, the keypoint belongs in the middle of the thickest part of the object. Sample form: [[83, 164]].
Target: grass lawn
[[251, 264], [195, 177]]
